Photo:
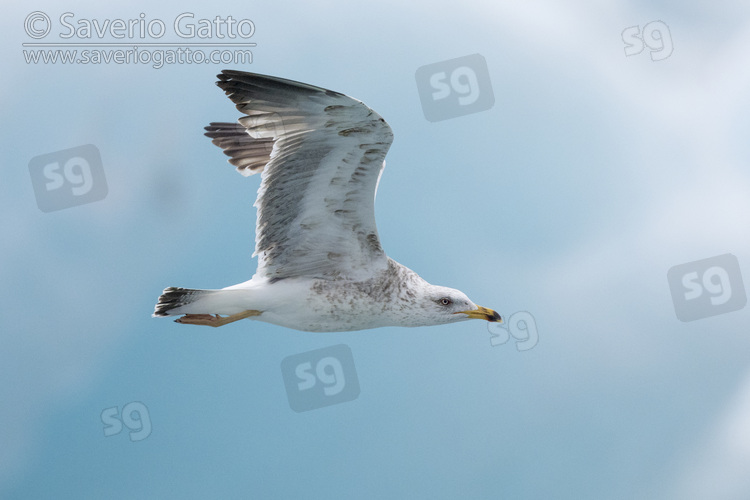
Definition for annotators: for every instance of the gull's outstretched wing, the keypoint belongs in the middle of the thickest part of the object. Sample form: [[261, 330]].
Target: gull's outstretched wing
[[321, 154]]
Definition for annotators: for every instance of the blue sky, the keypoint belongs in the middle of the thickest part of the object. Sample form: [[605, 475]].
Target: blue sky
[[593, 174]]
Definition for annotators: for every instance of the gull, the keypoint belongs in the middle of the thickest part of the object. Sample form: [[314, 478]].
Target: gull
[[320, 264]]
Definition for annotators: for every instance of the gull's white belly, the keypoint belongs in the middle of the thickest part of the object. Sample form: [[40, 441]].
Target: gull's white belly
[[325, 306]]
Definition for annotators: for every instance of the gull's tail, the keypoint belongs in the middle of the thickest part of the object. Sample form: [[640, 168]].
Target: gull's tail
[[176, 301]]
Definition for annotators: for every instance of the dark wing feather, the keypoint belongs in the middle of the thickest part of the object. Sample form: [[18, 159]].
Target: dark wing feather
[[316, 199]]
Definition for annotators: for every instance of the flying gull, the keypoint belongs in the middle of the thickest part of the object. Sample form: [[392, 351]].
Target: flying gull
[[320, 264]]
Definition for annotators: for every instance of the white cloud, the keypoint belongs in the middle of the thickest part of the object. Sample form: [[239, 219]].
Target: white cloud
[[718, 466]]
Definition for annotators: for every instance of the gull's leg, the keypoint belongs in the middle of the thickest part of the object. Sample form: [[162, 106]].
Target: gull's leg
[[215, 319]]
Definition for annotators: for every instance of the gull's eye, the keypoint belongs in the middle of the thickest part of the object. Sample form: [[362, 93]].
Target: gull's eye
[[445, 301]]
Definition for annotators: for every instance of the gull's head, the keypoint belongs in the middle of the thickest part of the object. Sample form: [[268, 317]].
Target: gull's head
[[447, 305]]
